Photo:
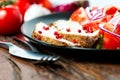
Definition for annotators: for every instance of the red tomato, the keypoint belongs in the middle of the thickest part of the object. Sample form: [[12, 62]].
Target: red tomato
[[111, 10], [111, 41], [47, 4], [80, 16], [10, 20], [23, 5], [117, 30], [33, 1]]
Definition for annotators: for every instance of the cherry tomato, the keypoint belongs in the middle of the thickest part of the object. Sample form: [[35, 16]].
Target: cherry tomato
[[10, 20], [111, 41], [80, 16]]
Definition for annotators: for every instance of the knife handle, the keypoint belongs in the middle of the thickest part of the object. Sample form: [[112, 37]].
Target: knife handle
[[5, 44]]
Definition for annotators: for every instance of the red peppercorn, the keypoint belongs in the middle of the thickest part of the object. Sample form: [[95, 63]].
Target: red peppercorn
[[58, 36], [39, 38], [74, 41], [68, 30], [45, 28], [40, 32], [79, 31], [56, 33]]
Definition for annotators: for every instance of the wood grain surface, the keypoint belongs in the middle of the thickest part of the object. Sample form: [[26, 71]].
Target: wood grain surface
[[67, 68]]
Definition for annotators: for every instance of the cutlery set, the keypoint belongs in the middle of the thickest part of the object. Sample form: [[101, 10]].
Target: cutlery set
[[32, 54]]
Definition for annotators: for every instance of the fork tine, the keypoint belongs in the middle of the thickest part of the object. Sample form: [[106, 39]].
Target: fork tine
[[50, 58], [47, 59], [55, 58], [42, 60]]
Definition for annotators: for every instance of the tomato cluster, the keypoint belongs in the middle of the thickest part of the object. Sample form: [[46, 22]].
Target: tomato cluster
[[12, 14], [98, 16]]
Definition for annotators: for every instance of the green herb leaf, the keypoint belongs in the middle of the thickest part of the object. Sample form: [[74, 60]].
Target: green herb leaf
[[100, 42]]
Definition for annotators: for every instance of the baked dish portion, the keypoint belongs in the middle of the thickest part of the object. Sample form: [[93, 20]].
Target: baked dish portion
[[65, 33]]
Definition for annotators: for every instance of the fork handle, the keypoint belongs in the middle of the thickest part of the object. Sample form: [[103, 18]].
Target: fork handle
[[5, 44], [24, 40]]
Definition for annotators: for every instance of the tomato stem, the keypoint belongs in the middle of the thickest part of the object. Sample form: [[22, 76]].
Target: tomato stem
[[6, 2]]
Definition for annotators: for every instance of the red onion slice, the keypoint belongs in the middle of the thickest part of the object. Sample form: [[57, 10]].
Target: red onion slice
[[100, 13], [95, 13], [88, 12], [101, 26], [115, 20], [66, 7]]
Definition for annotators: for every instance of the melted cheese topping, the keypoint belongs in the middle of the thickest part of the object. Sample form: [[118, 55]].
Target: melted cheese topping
[[50, 32], [72, 27], [63, 25]]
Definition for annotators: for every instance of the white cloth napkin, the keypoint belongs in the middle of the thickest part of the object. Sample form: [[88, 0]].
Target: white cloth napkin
[[103, 3], [59, 2]]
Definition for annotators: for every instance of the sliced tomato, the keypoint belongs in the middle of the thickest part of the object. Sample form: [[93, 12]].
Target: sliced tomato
[[111, 41], [111, 10], [90, 27], [80, 16], [117, 30]]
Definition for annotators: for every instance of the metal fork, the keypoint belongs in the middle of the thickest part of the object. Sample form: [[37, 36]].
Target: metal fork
[[23, 39], [37, 57]]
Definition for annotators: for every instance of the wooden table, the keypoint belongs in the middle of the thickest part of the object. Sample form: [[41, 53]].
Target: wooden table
[[67, 68]]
